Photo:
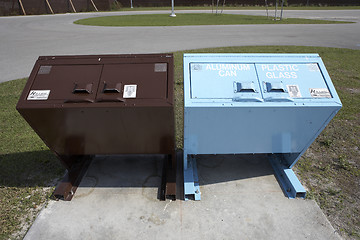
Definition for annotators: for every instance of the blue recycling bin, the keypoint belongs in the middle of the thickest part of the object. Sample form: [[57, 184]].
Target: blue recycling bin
[[274, 104]]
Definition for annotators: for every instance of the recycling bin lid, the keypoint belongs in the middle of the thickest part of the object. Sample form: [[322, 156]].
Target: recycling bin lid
[[128, 79], [251, 78]]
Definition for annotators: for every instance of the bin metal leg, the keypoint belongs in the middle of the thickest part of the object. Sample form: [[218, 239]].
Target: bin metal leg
[[76, 169], [191, 180], [168, 184], [287, 179]]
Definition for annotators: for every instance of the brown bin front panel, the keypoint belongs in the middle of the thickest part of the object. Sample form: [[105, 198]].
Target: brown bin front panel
[[103, 104]]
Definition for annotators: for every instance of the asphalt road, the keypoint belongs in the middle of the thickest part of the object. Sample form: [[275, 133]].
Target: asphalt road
[[24, 38]]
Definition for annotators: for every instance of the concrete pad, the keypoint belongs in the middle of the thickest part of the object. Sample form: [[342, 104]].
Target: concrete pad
[[241, 199]]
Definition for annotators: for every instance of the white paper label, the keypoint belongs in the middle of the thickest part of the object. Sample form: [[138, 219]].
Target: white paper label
[[320, 93], [38, 95], [129, 91], [294, 91]]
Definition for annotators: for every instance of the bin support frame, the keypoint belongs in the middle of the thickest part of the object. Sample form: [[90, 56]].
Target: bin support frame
[[66, 189], [287, 179], [168, 182], [191, 179]]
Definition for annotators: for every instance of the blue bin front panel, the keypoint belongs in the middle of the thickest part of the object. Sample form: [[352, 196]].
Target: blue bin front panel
[[244, 130]]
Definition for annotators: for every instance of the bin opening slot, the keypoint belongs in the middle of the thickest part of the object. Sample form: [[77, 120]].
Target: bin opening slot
[[112, 89], [78, 101], [82, 88], [244, 87], [275, 87], [118, 99]]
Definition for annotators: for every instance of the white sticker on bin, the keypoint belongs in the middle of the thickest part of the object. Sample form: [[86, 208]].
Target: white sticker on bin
[[294, 91], [320, 93], [130, 91], [38, 95]]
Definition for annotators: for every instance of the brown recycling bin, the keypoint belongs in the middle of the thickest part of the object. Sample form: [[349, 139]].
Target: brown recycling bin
[[81, 106]]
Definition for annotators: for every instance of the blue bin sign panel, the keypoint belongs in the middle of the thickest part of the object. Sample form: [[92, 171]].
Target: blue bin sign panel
[[287, 81], [224, 81]]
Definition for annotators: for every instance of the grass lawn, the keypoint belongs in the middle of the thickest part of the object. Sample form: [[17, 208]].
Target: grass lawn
[[192, 19], [329, 169], [27, 167]]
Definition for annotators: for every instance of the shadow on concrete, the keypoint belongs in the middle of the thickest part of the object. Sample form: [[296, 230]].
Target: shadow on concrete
[[130, 171], [224, 168], [145, 171], [39, 168]]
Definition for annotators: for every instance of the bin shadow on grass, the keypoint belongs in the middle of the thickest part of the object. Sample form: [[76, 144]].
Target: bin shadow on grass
[[30, 169]]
